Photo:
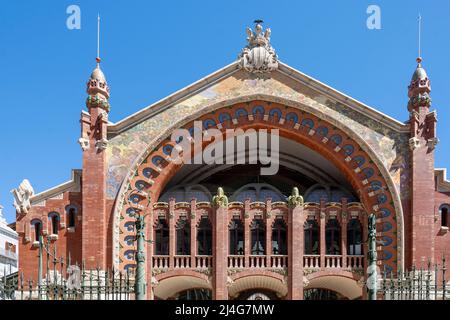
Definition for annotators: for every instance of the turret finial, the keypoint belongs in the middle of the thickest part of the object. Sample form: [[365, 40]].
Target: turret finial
[[420, 39], [97, 86], [98, 40], [420, 86]]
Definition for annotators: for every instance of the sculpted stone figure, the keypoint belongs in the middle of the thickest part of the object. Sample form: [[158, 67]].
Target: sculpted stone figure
[[22, 197], [295, 199], [220, 200]]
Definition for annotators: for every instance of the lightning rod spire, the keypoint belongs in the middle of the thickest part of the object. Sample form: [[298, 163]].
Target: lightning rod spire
[[98, 39], [419, 58]]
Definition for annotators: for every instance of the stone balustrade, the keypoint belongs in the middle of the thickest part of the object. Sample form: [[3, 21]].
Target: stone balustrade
[[246, 213]]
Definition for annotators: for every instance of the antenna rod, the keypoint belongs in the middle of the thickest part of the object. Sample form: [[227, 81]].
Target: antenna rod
[[98, 37], [420, 34]]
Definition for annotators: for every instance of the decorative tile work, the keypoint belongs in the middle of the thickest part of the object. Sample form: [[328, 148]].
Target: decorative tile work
[[391, 146], [361, 164]]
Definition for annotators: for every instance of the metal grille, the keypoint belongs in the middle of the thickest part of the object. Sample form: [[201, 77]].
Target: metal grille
[[64, 280], [420, 283], [83, 285]]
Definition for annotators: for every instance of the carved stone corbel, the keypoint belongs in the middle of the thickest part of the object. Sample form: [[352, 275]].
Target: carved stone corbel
[[431, 143], [230, 281], [414, 143], [101, 144], [305, 282], [154, 282], [84, 143]]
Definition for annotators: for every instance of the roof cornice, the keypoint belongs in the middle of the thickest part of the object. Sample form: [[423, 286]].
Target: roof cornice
[[343, 98], [188, 91], [73, 183], [163, 104]]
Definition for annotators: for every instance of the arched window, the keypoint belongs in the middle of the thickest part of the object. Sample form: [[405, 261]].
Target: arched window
[[54, 220], [236, 236], [311, 229], [37, 224], [161, 237], [444, 216], [71, 216], [257, 192], [183, 237], [279, 237], [204, 237], [354, 238], [194, 294], [258, 240], [333, 237], [317, 194]]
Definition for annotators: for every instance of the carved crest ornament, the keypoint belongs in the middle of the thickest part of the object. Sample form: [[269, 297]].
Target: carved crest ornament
[[258, 56]]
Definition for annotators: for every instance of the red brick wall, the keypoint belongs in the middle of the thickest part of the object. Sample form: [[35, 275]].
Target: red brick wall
[[442, 238], [422, 192], [68, 243]]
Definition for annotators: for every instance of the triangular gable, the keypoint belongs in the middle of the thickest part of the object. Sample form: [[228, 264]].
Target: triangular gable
[[205, 83], [233, 84]]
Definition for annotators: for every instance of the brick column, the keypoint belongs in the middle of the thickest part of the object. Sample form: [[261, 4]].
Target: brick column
[[269, 221], [344, 222], [193, 232], [423, 140], [322, 234], [172, 233], [94, 222], [247, 233], [93, 141], [296, 220], [422, 186], [220, 253]]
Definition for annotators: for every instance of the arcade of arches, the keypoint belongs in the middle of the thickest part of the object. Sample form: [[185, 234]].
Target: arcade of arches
[[327, 167]]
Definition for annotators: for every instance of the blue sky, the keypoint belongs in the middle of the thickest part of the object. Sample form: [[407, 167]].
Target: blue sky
[[153, 48]]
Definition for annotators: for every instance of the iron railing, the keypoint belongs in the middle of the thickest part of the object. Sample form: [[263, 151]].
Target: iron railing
[[420, 283], [61, 279], [77, 284]]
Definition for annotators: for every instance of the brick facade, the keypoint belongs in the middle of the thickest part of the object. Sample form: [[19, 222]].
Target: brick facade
[[101, 237]]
